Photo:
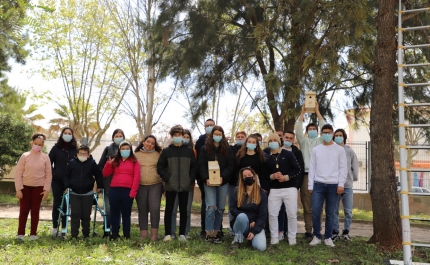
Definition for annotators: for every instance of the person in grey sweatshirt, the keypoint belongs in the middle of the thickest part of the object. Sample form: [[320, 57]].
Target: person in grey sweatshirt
[[347, 197]]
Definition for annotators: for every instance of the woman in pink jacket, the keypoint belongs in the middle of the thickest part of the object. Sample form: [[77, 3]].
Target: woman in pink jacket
[[123, 188], [33, 178]]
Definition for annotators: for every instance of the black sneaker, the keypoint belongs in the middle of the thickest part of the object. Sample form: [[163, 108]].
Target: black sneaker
[[202, 234], [106, 235], [345, 235], [208, 238], [335, 235], [308, 236], [114, 237], [221, 234], [217, 239]]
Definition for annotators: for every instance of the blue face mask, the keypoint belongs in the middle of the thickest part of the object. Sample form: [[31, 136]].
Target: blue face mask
[[327, 137], [217, 139], [338, 139], [67, 138], [312, 134], [251, 147], [125, 153], [288, 144], [274, 145], [117, 141], [208, 129], [240, 142], [186, 141], [177, 140]]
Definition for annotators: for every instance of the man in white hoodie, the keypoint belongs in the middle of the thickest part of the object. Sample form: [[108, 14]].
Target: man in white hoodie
[[327, 177], [306, 146]]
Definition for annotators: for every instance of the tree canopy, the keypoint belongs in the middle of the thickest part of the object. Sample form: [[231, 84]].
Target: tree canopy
[[289, 46]]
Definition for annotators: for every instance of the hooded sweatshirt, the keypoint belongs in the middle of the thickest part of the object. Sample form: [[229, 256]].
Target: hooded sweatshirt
[[352, 165], [306, 143]]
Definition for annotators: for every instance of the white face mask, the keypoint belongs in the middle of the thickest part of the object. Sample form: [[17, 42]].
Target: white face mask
[[82, 158]]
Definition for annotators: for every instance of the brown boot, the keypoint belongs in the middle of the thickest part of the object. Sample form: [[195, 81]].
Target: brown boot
[[143, 234], [154, 234]]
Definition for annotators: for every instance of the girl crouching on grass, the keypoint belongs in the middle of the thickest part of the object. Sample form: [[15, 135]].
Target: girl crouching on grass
[[249, 209], [33, 178], [123, 188]]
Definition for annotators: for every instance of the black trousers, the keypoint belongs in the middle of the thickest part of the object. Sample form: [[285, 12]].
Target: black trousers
[[203, 208], [81, 211], [57, 194], [170, 202]]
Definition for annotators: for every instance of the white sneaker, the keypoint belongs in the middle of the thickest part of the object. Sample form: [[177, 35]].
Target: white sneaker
[[33, 237], [274, 241], [182, 238], [20, 237], [281, 236], [187, 237], [328, 242], [167, 238], [172, 236], [315, 241], [292, 241], [54, 232]]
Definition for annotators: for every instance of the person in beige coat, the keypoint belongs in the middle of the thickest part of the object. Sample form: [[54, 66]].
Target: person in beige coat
[[151, 188]]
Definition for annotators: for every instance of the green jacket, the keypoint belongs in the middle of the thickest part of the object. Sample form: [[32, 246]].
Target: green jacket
[[177, 166]]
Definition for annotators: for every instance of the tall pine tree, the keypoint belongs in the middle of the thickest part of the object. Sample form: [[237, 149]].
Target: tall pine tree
[[289, 46]]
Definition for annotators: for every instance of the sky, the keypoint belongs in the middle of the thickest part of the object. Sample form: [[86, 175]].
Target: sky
[[24, 78]]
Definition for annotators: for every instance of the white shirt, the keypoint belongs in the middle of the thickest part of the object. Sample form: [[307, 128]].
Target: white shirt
[[327, 165]]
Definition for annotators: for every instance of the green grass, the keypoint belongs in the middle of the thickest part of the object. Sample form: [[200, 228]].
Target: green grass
[[195, 251]]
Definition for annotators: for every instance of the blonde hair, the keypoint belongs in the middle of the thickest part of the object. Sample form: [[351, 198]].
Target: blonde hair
[[255, 194]]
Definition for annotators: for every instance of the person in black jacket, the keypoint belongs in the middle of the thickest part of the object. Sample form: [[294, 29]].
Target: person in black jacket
[[81, 174], [60, 155], [249, 209], [109, 152], [177, 166], [232, 184], [288, 144], [284, 171], [216, 149], [209, 124]]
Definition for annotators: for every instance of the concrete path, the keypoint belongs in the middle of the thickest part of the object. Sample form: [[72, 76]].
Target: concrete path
[[364, 229]]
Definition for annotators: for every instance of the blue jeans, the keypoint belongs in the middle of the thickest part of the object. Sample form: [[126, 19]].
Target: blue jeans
[[215, 205], [120, 206], [321, 192], [241, 231], [347, 199], [175, 211]]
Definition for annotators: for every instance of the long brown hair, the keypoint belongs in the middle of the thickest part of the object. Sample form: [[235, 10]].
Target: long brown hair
[[255, 194], [157, 147], [242, 151], [191, 143], [210, 143]]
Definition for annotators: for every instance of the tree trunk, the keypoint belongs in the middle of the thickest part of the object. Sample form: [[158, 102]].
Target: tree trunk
[[383, 192], [151, 73]]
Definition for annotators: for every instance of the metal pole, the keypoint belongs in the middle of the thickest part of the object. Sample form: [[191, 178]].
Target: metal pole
[[406, 228]]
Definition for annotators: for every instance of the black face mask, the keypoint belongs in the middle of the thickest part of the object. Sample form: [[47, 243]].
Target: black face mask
[[249, 181]]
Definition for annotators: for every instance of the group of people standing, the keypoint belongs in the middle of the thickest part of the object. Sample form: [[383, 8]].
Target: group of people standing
[[262, 185]]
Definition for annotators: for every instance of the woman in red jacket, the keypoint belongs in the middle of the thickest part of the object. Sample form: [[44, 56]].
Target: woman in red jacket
[[123, 188]]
